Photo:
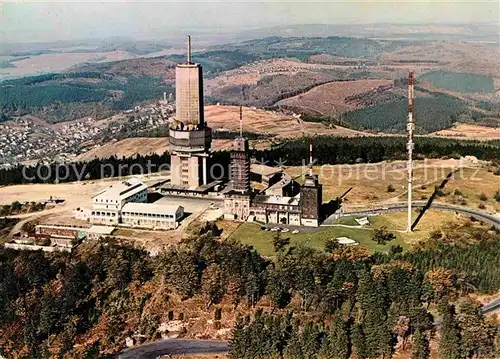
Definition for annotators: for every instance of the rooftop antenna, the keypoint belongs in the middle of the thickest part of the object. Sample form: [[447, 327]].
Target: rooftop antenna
[[188, 49], [241, 121], [410, 146]]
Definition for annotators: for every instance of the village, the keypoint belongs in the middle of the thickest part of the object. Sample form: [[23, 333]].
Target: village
[[28, 140]]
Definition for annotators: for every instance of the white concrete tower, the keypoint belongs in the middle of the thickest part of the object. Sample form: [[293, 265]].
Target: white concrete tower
[[190, 139]]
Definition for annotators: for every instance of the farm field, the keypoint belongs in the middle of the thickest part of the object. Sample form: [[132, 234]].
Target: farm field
[[469, 131]]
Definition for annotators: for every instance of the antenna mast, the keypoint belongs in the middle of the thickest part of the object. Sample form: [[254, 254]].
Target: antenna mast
[[310, 156], [188, 49], [410, 145], [241, 121]]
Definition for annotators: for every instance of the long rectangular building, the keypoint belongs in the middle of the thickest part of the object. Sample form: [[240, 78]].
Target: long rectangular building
[[152, 215]]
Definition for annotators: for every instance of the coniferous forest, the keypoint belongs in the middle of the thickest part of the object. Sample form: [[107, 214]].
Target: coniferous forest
[[301, 303], [291, 152]]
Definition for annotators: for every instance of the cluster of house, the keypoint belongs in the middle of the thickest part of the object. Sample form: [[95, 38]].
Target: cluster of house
[[53, 238], [26, 139]]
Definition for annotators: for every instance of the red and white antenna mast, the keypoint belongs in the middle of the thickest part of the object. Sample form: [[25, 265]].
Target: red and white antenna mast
[[310, 156], [410, 146]]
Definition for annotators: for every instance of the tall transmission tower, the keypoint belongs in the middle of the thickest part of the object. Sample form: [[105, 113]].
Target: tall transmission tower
[[410, 146], [310, 156]]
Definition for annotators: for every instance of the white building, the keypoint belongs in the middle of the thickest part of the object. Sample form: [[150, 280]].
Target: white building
[[107, 204], [126, 204], [152, 215]]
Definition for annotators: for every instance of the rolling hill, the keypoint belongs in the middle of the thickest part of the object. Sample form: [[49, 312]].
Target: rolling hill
[[347, 79]]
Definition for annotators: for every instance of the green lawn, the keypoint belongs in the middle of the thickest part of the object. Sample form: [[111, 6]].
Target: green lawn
[[250, 233]]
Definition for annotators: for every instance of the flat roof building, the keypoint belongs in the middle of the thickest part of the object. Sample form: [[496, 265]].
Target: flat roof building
[[162, 216]]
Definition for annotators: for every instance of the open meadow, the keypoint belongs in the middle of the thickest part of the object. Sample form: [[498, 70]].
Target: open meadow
[[251, 233], [385, 183]]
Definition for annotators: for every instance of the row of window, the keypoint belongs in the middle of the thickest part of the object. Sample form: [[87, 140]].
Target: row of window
[[140, 195], [107, 214], [152, 215]]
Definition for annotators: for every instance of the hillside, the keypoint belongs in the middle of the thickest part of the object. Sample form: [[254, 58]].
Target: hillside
[[334, 98], [466, 131], [274, 124], [69, 96], [459, 82], [143, 146], [293, 72]]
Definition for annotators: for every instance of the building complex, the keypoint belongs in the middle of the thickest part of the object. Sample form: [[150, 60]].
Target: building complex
[[126, 204], [281, 199]]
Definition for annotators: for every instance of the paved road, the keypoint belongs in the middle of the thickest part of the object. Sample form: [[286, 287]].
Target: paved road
[[28, 217], [175, 347], [479, 215], [491, 307]]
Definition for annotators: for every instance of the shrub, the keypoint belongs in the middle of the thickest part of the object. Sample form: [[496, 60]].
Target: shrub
[[436, 234], [482, 205], [382, 236], [483, 197], [497, 172], [331, 245], [170, 315], [218, 314], [390, 188], [458, 192], [496, 196], [181, 316], [395, 250]]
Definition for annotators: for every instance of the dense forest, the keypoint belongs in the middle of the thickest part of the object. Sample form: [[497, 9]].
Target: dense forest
[[302, 48], [323, 304], [63, 97], [217, 61], [459, 82], [432, 113], [293, 152], [345, 150]]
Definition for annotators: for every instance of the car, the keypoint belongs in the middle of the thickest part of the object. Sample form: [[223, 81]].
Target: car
[[275, 229], [295, 231], [285, 230]]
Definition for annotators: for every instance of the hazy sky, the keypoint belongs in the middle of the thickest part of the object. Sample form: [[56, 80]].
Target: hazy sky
[[33, 21]]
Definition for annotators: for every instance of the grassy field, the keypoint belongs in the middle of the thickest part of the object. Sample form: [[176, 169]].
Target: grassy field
[[370, 182], [250, 233], [466, 131]]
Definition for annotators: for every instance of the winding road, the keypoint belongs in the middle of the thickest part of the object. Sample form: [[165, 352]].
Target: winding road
[[479, 215]]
